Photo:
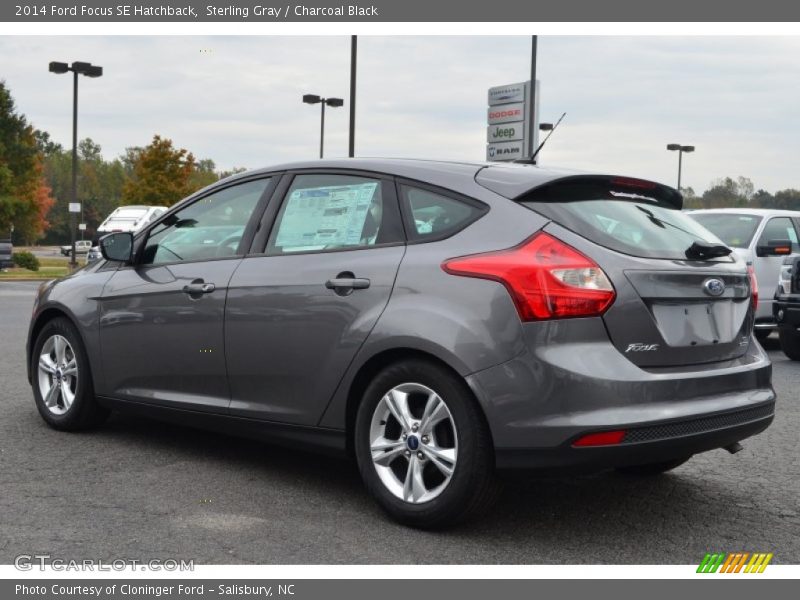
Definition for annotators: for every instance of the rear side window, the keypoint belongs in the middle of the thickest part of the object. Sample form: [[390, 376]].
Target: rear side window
[[624, 217], [779, 228], [431, 215], [335, 212], [735, 230]]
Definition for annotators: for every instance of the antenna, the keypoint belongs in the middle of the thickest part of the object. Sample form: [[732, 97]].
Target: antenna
[[532, 159]]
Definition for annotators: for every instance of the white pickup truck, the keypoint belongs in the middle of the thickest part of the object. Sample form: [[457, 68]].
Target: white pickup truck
[[81, 247]]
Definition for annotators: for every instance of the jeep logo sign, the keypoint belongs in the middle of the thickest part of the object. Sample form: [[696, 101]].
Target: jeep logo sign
[[505, 133]]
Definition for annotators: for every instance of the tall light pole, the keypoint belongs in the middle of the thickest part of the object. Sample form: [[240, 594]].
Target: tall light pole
[[353, 68], [681, 150], [333, 103], [89, 70]]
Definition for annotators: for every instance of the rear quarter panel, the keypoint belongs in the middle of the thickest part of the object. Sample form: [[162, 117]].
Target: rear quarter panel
[[469, 324]]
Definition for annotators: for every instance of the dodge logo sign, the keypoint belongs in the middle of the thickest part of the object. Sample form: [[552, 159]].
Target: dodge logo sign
[[507, 113]]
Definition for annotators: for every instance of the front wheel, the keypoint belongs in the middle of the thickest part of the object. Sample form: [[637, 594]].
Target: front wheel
[[790, 342], [62, 381], [423, 447], [652, 469]]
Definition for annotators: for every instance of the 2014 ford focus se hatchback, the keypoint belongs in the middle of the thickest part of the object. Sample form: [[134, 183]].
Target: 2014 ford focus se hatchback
[[438, 321]]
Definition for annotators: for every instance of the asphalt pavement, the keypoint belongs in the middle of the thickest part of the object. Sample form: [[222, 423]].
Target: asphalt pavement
[[139, 489]]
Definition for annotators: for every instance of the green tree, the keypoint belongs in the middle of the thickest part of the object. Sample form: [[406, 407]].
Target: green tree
[[762, 199], [20, 165], [204, 174], [727, 193], [161, 174], [787, 199]]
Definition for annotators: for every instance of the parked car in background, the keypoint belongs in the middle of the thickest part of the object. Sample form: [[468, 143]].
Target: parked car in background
[[128, 218], [750, 231], [436, 321], [81, 247], [6, 254], [787, 307], [93, 255]]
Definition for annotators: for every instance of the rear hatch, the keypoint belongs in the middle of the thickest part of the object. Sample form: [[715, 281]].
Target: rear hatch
[[682, 297]]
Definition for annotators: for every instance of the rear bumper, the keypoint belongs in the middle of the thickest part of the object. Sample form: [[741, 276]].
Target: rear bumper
[[648, 444], [570, 381], [787, 314]]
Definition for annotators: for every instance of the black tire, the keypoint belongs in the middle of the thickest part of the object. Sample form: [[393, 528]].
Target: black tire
[[652, 469], [472, 487], [790, 342], [762, 334], [84, 411]]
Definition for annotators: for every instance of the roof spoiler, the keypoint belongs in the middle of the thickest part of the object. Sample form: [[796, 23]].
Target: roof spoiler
[[595, 187]]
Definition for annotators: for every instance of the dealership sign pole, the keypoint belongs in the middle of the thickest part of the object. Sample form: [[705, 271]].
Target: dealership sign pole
[[513, 121]]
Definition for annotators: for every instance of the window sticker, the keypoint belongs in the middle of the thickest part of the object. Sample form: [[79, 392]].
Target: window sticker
[[316, 218]]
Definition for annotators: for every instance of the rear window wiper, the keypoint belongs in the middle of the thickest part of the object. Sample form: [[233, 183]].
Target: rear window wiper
[[703, 250]]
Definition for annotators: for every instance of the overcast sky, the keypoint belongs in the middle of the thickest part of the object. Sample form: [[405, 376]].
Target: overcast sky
[[237, 100]]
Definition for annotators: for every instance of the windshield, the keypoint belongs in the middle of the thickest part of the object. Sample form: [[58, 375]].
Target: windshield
[[630, 224], [735, 230]]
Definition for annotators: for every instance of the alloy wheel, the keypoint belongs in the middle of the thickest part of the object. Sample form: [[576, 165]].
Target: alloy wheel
[[413, 442], [58, 374]]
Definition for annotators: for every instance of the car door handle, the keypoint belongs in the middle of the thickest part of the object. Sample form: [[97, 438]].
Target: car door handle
[[197, 288], [349, 283]]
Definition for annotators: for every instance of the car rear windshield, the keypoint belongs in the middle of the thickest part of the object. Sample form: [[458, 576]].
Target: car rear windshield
[[735, 230], [628, 216]]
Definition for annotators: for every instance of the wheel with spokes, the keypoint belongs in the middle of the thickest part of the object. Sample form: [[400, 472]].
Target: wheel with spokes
[[423, 447], [62, 380]]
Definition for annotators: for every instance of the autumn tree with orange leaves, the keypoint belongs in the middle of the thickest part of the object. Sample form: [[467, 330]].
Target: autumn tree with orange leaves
[[162, 174], [25, 199]]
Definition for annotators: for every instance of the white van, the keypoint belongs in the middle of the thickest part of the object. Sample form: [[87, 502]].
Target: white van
[[129, 218]]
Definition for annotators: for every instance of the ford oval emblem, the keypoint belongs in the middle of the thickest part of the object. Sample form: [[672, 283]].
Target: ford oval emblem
[[714, 286]]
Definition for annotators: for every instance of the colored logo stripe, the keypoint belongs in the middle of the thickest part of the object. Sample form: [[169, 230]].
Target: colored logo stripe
[[734, 562]]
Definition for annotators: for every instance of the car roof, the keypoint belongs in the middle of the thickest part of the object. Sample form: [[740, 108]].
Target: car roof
[[759, 212], [506, 179]]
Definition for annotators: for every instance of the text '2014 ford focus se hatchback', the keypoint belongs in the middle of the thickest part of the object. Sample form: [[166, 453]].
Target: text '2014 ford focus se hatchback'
[[437, 320]]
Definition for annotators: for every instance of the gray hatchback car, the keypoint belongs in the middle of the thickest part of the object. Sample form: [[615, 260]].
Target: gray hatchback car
[[438, 321]]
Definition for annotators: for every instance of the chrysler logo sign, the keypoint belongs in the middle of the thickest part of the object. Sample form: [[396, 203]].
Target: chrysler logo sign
[[505, 94]]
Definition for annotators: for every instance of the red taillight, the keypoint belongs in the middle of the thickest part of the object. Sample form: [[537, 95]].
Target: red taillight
[[546, 278], [604, 438], [633, 183], [753, 285]]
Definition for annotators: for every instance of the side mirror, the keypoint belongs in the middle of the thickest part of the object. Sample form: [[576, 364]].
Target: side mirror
[[775, 248], [117, 246]]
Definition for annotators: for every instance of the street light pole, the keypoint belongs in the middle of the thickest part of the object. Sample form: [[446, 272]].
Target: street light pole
[[74, 194], [333, 103], [322, 131], [89, 70], [680, 149], [353, 58]]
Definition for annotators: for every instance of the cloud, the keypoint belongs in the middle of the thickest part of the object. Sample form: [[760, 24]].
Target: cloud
[[237, 99]]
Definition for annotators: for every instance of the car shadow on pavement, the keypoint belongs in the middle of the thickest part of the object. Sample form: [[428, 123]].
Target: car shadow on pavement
[[557, 518]]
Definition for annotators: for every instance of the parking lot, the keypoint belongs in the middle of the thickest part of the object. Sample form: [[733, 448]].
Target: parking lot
[[145, 490]]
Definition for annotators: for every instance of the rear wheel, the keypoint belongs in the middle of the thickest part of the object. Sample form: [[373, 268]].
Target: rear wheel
[[762, 334], [790, 342], [423, 448], [652, 469], [62, 381]]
